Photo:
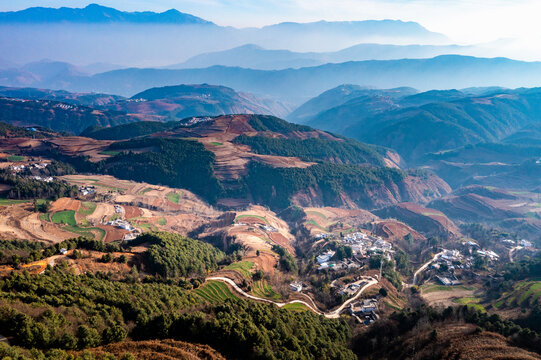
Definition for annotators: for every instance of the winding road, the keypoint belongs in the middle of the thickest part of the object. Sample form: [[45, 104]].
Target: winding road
[[424, 266], [331, 315]]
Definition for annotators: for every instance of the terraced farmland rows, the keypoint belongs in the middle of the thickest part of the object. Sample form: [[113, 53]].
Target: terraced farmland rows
[[214, 292]]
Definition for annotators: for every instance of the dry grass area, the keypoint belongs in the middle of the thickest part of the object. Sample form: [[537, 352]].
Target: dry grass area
[[328, 219], [81, 146], [19, 222], [161, 350], [459, 341], [436, 295]]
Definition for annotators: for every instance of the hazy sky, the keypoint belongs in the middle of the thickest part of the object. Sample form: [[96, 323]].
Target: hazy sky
[[464, 21]]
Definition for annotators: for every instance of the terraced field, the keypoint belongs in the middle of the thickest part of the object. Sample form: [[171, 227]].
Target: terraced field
[[87, 208], [248, 217], [242, 267], [64, 217], [296, 307], [524, 293], [7, 202], [214, 292], [262, 289], [173, 197]]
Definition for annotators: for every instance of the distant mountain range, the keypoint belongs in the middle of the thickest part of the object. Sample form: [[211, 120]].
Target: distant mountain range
[[182, 101], [97, 14], [298, 85], [65, 111], [430, 122], [98, 34], [255, 57]]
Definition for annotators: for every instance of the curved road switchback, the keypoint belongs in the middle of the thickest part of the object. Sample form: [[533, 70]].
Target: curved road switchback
[[331, 315], [425, 265]]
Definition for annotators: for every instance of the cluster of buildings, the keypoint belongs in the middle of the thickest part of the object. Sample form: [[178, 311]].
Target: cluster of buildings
[[21, 167], [366, 310], [65, 106], [296, 286], [123, 224], [87, 190], [197, 119], [46, 179], [362, 246]]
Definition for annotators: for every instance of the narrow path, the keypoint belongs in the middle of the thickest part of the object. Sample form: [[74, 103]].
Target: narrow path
[[331, 315], [424, 266], [512, 250]]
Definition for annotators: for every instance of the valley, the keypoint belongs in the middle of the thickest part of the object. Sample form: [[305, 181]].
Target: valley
[[178, 188]]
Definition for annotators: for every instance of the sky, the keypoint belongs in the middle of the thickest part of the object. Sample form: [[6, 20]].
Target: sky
[[464, 21]]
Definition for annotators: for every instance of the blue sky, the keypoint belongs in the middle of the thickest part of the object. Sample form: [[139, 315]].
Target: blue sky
[[465, 21]]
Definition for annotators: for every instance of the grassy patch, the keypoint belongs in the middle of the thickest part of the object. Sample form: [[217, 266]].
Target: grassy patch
[[162, 221], [214, 292], [64, 217], [250, 216], [147, 227], [467, 300], [16, 158], [262, 289], [87, 208], [88, 232], [215, 143], [296, 307], [312, 222], [45, 217], [435, 288], [146, 190], [6, 202], [173, 197], [109, 152], [242, 267], [318, 214], [428, 213]]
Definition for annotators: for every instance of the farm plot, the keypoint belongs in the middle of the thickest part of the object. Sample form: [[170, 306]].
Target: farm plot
[[261, 288], [214, 292], [243, 267]]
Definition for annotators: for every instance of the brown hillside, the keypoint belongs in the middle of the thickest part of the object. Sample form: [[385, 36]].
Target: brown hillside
[[429, 222], [161, 350]]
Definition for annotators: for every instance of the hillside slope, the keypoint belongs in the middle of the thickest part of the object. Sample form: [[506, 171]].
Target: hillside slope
[[182, 101], [235, 160]]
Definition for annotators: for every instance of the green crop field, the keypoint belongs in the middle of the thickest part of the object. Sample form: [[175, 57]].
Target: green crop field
[[312, 222], [109, 152], [6, 202], [45, 217], [215, 143], [162, 221], [147, 227], [250, 216], [262, 289], [145, 190], [296, 307], [16, 158], [214, 292], [87, 232], [64, 217], [242, 267], [316, 213], [87, 208], [173, 197]]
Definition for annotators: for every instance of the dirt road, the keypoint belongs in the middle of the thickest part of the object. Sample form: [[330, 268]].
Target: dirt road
[[331, 315]]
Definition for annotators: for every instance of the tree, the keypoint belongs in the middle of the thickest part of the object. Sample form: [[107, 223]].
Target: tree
[[122, 259], [87, 337], [114, 333], [383, 292]]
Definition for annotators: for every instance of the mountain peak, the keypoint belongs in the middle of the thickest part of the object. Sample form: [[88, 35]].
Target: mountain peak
[[96, 13]]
